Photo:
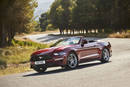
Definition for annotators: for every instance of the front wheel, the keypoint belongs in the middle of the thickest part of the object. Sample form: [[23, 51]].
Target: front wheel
[[72, 61], [105, 55], [40, 69]]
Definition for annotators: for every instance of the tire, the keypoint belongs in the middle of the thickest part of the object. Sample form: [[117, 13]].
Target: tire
[[40, 69], [105, 55], [72, 61]]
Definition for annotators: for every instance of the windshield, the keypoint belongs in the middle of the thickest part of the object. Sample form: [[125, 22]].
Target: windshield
[[69, 41]]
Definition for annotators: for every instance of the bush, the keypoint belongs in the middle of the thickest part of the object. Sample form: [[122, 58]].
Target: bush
[[3, 64], [109, 30], [128, 31], [50, 27]]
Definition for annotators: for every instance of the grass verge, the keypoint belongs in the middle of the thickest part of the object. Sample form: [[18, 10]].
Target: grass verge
[[13, 58], [15, 69]]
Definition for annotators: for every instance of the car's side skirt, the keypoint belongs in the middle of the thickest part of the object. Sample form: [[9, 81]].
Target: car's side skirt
[[88, 56]]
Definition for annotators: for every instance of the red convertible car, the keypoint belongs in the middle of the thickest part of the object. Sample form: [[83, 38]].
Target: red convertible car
[[70, 52]]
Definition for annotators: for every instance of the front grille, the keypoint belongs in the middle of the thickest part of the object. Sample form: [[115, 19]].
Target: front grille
[[44, 57]]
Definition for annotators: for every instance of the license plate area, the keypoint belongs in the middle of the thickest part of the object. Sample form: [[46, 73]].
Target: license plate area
[[40, 62]]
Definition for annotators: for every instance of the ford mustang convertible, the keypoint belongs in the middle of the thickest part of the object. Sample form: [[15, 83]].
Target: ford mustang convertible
[[69, 52]]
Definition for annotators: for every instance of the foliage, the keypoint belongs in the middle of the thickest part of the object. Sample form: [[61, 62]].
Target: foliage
[[90, 16], [50, 27], [16, 16], [43, 21], [60, 14]]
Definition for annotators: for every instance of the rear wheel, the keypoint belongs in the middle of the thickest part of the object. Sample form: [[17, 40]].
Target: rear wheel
[[40, 69], [72, 61], [105, 55]]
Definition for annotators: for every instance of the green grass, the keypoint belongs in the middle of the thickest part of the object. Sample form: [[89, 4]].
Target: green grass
[[18, 53], [28, 43]]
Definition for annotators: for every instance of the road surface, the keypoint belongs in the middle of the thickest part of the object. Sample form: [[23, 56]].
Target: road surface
[[116, 73], [45, 38]]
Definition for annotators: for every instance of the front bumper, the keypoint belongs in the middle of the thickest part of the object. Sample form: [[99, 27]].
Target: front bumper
[[49, 63]]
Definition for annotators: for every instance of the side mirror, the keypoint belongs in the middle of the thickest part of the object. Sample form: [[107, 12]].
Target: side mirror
[[83, 42]]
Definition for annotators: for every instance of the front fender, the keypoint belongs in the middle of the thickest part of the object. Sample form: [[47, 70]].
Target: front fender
[[68, 51]]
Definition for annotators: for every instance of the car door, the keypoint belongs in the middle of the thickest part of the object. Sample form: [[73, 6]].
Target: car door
[[89, 50], [93, 50]]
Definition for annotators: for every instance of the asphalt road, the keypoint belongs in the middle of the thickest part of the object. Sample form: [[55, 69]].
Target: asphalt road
[[116, 73]]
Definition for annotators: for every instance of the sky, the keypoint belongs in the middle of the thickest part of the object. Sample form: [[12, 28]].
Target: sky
[[43, 6]]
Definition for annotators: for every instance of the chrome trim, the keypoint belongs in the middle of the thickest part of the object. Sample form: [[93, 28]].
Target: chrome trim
[[57, 59], [92, 55]]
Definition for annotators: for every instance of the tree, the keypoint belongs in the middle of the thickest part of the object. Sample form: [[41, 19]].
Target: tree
[[85, 15], [60, 14], [16, 17], [91, 15], [43, 21], [101, 14]]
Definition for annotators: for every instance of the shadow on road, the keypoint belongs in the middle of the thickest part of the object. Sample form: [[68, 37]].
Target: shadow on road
[[64, 70]]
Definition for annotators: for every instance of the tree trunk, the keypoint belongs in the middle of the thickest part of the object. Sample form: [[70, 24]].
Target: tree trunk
[[67, 31], [86, 31], [60, 31], [11, 34], [63, 31], [0, 34], [73, 31], [3, 36], [100, 30]]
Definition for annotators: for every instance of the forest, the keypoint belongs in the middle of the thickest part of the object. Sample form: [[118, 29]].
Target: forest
[[87, 16]]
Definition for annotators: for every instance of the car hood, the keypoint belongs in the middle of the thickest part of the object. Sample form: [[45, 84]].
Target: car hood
[[50, 50]]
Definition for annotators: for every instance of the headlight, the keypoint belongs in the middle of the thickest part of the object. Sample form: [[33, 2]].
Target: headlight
[[59, 54], [56, 54]]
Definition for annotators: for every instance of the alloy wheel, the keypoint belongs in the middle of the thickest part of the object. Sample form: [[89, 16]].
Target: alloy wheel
[[72, 60]]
